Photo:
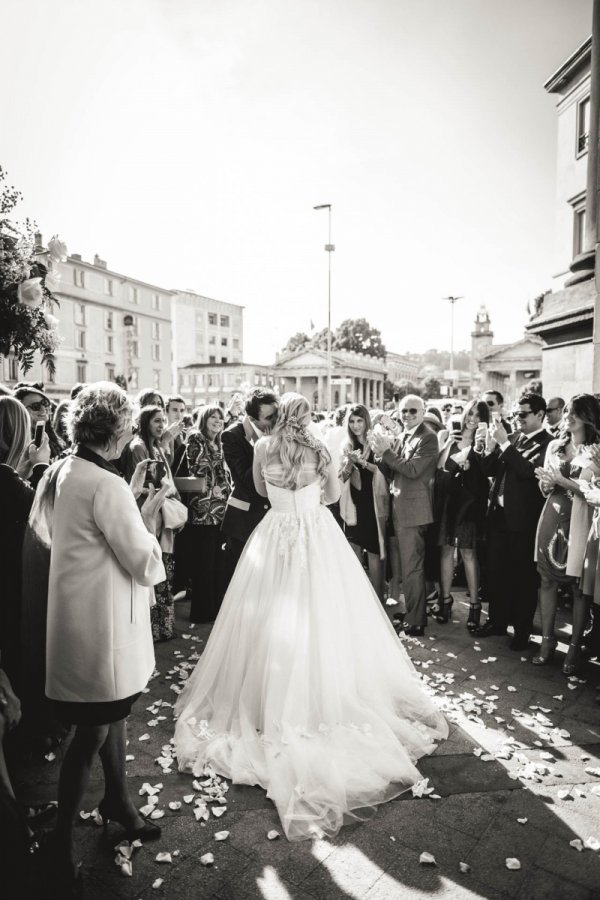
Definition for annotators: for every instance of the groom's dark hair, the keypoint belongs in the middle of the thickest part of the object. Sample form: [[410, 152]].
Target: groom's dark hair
[[256, 399]]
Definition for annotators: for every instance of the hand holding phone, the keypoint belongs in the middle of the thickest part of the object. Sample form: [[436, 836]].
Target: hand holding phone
[[40, 427]]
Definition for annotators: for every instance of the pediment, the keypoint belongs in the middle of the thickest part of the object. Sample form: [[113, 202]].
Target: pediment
[[309, 359], [524, 349]]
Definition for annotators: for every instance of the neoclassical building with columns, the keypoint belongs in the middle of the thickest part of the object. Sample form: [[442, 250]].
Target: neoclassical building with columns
[[356, 377]]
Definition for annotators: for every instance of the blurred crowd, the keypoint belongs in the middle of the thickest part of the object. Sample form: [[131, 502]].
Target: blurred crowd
[[115, 509]]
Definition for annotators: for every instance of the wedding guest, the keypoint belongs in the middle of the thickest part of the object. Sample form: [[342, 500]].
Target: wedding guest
[[150, 397], [150, 425], [413, 466], [565, 522], [76, 389], [245, 507], [177, 424], [554, 415], [58, 421], [234, 411], [334, 439], [460, 493], [17, 499], [39, 407], [99, 641], [206, 510], [514, 509], [393, 573], [364, 501], [495, 401]]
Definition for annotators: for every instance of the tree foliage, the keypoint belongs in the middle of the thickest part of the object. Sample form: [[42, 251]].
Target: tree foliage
[[431, 388], [353, 334]]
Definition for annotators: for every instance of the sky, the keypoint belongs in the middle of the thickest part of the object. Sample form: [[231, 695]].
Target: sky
[[186, 142]]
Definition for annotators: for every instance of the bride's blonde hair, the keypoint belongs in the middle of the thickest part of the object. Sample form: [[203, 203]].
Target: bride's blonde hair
[[291, 438]]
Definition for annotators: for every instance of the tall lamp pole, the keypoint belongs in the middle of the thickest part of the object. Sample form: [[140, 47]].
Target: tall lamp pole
[[452, 302], [329, 248]]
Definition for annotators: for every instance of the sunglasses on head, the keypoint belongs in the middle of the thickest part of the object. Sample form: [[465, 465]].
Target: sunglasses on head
[[409, 412], [39, 406]]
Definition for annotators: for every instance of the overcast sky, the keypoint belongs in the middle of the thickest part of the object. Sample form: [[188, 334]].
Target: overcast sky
[[186, 142]]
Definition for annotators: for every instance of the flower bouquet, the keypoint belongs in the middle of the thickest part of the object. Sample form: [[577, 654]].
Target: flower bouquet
[[27, 276]]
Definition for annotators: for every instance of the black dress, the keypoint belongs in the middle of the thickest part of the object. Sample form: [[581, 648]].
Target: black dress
[[364, 534]]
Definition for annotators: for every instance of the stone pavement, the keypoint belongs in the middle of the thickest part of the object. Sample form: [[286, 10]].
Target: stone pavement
[[519, 777]]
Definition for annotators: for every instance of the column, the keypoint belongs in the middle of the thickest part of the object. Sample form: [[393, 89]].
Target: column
[[298, 384]]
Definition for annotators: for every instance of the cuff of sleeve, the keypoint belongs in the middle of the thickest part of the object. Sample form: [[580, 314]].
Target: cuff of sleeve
[[504, 447]]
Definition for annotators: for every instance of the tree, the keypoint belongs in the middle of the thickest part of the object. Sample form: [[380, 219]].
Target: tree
[[532, 387], [296, 342], [406, 387], [361, 337], [431, 388]]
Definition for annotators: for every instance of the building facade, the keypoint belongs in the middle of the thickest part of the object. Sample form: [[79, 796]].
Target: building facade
[[111, 326], [356, 377], [206, 331], [502, 367], [216, 383], [564, 317], [400, 368]]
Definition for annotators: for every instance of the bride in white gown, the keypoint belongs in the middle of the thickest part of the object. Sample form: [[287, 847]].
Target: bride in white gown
[[303, 687]]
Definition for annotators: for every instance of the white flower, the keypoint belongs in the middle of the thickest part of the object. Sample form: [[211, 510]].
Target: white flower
[[57, 249], [30, 292]]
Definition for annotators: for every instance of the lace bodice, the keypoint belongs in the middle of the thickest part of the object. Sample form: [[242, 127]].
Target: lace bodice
[[296, 502]]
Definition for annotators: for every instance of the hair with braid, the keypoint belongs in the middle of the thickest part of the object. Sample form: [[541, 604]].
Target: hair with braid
[[291, 438]]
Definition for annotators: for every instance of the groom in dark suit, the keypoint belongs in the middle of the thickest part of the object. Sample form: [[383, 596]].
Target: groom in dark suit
[[514, 509], [245, 507]]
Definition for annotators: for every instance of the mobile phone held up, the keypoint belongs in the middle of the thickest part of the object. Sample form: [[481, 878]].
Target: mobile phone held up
[[155, 472], [38, 435]]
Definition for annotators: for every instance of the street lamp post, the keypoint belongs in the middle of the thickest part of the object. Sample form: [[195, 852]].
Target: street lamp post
[[452, 302], [329, 248]]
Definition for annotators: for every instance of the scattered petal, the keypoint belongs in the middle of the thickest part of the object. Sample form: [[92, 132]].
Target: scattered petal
[[175, 804], [512, 863], [144, 737], [221, 835], [273, 835], [592, 843], [207, 860], [522, 821], [465, 868], [427, 859], [576, 844], [218, 811], [163, 858], [157, 883], [50, 756]]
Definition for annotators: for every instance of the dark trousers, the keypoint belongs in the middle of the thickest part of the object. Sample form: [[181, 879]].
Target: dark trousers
[[208, 570], [512, 578], [411, 543], [233, 551]]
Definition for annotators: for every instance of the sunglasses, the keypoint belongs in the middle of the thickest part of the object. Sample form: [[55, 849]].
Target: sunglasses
[[491, 402], [523, 415], [408, 412], [553, 409], [446, 409], [39, 406]]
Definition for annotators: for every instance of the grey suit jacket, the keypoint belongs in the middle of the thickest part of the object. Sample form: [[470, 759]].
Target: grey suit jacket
[[413, 470]]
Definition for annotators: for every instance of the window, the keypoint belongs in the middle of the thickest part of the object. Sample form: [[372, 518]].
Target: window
[[13, 369], [79, 339], [135, 349], [156, 301], [578, 230], [156, 352], [110, 343], [212, 318], [156, 379], [79, 312], [583, 126], [212, 360], [134, 379], [224, 321], [81, 372], [224, 359], [82, 279], [156, 331], [110, 372], [108, 320], [134, 295], [134, 325], [236, 343], [223, 342], [212, 339], [108, 286]]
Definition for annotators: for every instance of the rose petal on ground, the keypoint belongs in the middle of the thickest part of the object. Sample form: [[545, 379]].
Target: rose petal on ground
[[512, 863], [576, 844], [50, 756], [157, 813], [592, 843], [144, 737], [188, 798], [427, 859], [221, 835], [207, 860], [218, 811], [175, 804], [522, 821], [464, 867], [163, 858], [157, 883], [273, 835]]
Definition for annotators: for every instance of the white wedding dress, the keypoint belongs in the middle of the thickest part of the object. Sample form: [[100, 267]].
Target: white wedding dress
[[303, 687]]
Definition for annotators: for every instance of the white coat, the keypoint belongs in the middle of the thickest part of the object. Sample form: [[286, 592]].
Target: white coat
[[103, 564]]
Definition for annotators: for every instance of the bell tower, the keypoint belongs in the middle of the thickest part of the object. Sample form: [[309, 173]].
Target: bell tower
[[482, 338]]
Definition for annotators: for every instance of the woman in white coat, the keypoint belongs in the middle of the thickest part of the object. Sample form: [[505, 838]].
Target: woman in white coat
[[104, 560]]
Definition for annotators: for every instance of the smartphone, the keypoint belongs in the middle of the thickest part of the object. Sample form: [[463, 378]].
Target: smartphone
[[39, 433], [160, 470], [456, 425]]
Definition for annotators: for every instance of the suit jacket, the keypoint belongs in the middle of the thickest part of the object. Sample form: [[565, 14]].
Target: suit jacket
[[245, 507], [413, 468], [523, 500]]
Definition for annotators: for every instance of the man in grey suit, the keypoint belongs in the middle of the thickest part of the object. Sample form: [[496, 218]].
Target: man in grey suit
[[413, 467]]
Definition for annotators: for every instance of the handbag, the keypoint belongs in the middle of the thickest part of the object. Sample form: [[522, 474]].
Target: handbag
[[174, 513]]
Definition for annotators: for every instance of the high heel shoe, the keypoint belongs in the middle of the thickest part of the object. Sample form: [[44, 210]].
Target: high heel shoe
[[474, 616], [573, 660], [445, 610], [146, 832], [547, 648]]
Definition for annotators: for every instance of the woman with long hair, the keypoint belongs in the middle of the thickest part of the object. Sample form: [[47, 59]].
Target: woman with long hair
[[206, 506], [365, 498], [565, 522], [150, 425], [303, 687], [39, 407], [461, 491]]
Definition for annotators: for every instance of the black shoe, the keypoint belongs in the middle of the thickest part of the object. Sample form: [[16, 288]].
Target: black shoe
[[488, 630], [519, 643], [474, 616], [414, 630], [149, 831], [444, 612]]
